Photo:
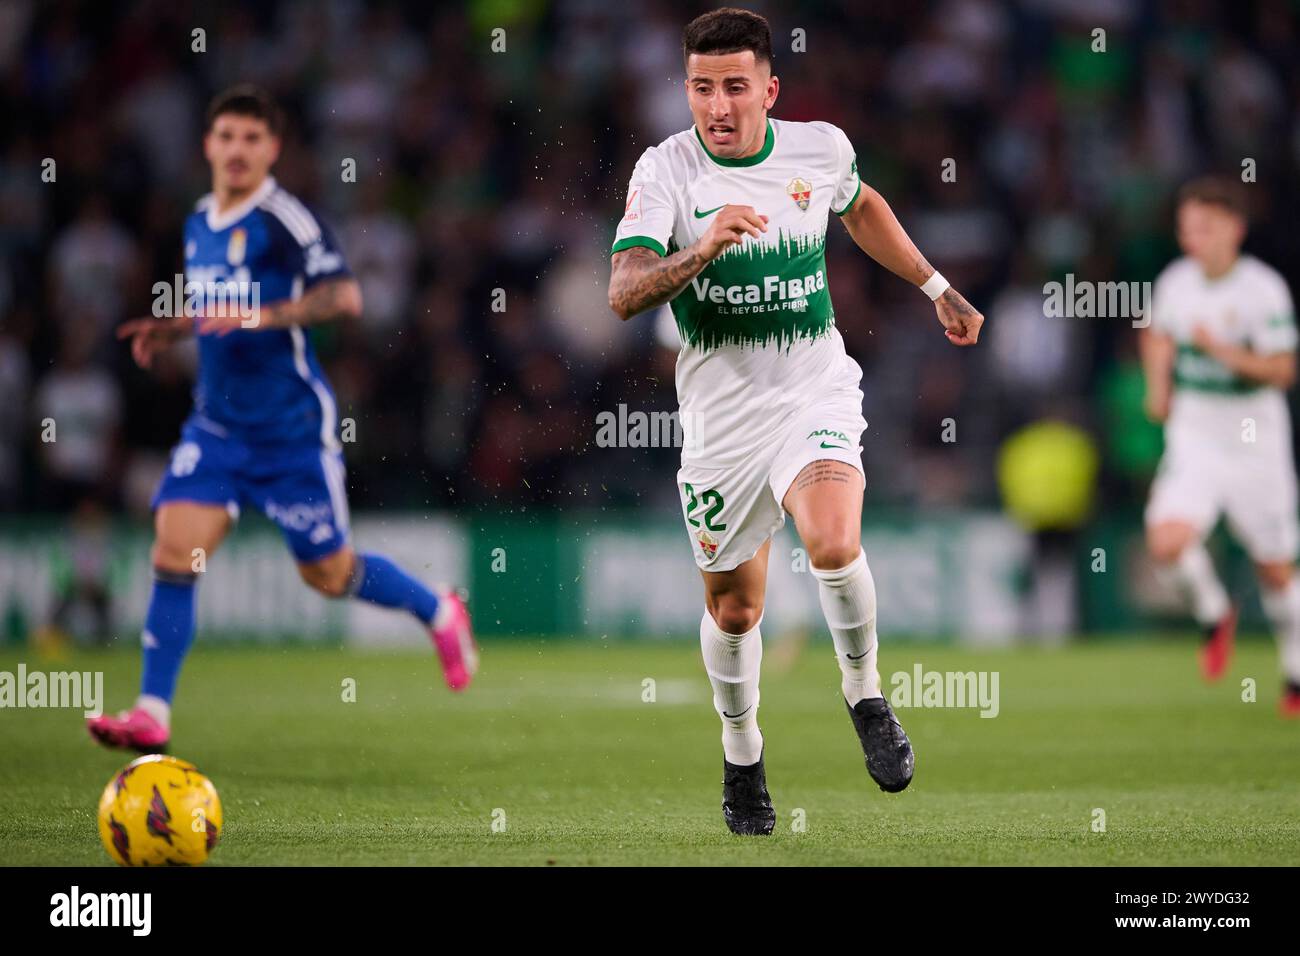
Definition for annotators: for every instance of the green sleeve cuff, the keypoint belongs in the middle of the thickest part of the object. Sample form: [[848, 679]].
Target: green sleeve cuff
[[646, 241], [853, 200]]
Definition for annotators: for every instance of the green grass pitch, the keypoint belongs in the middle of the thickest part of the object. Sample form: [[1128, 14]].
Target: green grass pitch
[[555, 740]]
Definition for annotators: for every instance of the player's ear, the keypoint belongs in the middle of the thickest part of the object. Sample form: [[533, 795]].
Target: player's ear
[[275, 149], [207, 145], [773, 88]]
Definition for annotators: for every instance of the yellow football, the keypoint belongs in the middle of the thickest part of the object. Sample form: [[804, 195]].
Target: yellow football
[[159, 811]]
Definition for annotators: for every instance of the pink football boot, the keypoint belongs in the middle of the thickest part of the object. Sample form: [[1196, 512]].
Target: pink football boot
[[455, 642], [131, 729]]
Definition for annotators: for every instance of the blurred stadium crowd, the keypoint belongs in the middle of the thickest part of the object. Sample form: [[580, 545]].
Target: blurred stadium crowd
[[479, 171]]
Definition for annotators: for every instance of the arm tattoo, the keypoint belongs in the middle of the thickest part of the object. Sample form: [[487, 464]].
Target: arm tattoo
[[923, 268], [322, 303], [956, 303], [639, 279]]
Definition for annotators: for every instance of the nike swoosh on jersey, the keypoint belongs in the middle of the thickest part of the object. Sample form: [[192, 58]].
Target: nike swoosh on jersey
[[840, 447], [707, 212]]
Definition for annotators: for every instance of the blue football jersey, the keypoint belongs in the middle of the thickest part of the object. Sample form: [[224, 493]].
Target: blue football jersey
[[262, 386]]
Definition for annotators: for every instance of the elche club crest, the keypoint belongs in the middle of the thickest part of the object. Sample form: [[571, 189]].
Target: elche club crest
[[800, 191], [708, 544]]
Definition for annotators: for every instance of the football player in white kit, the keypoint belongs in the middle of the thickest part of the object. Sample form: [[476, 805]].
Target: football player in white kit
[[1219, 355], [727, 222]]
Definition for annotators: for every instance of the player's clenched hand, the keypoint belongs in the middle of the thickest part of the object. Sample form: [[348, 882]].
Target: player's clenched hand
[[151, 335], [1204, 340], [729, 228], [961, 321]]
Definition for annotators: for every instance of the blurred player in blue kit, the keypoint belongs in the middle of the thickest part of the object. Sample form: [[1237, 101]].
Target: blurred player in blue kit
[[263, 429]]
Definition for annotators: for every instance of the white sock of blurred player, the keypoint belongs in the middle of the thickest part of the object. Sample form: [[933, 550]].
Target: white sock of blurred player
[[732, 662], [1282, 605], [848, 597], [1194, 571]]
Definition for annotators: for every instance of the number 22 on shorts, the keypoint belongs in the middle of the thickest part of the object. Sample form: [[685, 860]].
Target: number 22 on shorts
[[712, 501]]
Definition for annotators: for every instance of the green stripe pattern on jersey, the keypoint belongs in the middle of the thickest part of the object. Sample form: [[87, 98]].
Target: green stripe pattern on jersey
[[1196, 370], [762, 293]]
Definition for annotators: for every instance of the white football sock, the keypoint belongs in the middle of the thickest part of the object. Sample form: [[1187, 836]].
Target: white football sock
[[1199, 580], [732, 662], [1282, 605], [155, 707], [848, 597]]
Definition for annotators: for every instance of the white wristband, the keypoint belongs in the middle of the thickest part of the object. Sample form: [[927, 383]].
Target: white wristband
[[935, 286]]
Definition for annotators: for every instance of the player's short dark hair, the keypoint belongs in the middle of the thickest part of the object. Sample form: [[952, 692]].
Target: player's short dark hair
[[728, 30], [1223, 191], [246, 100]]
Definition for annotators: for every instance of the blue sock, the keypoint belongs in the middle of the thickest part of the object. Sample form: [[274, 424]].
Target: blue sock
[[168, 632], [379, 581]]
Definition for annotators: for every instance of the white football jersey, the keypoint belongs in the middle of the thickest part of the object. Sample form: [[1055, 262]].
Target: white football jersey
[[1250, 306], [758, 331]]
